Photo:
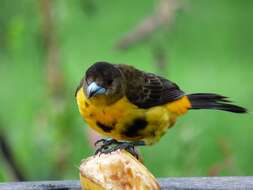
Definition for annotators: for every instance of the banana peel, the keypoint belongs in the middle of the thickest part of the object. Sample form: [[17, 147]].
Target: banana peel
[[118, 170]]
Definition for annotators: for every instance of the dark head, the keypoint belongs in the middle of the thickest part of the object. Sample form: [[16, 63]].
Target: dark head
[[103, 80]]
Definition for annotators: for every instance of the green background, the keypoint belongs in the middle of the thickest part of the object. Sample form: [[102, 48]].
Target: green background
[[207, 48]]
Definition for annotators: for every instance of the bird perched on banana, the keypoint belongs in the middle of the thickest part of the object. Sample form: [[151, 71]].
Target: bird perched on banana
[[134, 107]]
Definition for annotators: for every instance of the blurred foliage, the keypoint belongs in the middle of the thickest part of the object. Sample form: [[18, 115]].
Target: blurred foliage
[[208, 48]]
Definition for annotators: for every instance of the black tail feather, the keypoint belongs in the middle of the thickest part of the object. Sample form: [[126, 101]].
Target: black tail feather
[[213, 101]]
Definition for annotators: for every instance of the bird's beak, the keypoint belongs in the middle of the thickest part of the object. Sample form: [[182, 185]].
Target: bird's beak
[[93, 90]]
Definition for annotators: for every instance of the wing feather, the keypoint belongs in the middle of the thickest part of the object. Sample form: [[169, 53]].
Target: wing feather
[[147, 89]]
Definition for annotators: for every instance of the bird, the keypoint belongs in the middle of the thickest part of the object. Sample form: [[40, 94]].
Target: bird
[[135, 108]]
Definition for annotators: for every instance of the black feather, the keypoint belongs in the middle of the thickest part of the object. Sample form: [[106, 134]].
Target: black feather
[[213, 101]]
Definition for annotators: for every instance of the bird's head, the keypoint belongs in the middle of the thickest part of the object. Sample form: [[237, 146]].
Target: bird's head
[[103, 81]]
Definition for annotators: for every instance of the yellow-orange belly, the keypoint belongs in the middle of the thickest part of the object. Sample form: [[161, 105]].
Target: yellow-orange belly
[[125, 121]]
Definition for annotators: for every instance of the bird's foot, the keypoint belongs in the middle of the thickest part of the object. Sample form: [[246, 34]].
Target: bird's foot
[[105, 142], [111, 145]]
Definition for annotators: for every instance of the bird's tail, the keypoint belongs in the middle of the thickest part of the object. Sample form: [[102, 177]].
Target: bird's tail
[[213, 101]]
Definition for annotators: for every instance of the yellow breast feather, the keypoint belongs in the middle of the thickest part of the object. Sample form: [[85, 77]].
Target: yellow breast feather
[[125, 121]]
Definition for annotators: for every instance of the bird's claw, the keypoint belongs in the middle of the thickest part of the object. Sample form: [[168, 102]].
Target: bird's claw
[[111, 145], [105, 142]]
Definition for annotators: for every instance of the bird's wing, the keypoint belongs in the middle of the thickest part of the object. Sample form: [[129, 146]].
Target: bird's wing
[[147, 90]]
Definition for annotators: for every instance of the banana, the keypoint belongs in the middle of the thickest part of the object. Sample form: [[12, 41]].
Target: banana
[[118, 170]]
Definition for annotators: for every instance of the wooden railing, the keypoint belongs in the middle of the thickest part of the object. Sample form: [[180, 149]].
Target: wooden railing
[[181, 183]]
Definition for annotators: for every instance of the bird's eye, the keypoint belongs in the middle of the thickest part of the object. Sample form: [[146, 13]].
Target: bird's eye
[[109, 82]]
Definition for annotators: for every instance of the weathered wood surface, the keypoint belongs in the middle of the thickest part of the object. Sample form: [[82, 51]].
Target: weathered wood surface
[[181, 183]]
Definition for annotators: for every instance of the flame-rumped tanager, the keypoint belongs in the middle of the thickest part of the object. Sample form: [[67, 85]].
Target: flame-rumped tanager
[[134, 107]]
